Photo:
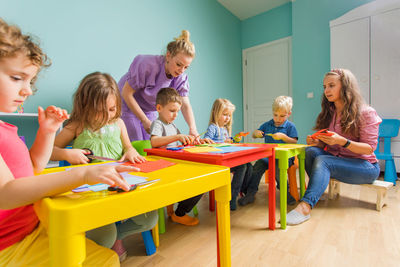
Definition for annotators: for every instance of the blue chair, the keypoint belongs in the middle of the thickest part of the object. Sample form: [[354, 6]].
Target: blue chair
[[388, 129]]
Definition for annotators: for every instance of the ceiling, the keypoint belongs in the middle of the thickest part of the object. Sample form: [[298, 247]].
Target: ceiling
[[244, 9]]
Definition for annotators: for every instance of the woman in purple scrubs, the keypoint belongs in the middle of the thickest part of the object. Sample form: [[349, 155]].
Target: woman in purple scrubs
[[146, 76]]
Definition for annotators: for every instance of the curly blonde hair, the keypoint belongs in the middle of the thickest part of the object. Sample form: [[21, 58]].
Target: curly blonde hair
[[352, 100], [13, 42], [90, 101], [219, 106], [182, 44]]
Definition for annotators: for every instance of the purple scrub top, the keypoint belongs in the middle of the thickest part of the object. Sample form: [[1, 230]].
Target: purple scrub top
[[146, 76]]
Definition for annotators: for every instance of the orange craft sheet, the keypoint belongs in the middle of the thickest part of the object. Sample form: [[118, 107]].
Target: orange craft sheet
[[150, 166]]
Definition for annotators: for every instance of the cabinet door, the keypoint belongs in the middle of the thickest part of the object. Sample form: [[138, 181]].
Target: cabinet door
[[385, 63], [385, 70], [350, 50]]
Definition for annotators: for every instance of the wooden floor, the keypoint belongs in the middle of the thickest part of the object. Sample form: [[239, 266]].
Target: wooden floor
[[347, 231]]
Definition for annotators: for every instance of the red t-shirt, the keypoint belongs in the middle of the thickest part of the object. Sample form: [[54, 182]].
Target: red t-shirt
[[16, 223]]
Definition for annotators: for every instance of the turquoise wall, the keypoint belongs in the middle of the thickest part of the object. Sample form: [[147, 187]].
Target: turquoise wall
[[307, 21], [85, 36], [311, 55], [268, 26]]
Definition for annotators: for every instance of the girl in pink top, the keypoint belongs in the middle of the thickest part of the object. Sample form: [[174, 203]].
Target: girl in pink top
[[23, 241], [346, 150]]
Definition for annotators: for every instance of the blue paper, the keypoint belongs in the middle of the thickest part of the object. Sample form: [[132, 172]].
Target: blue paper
[[228, 149]]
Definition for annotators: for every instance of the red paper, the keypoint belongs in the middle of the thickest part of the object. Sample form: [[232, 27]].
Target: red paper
[[150, 166]]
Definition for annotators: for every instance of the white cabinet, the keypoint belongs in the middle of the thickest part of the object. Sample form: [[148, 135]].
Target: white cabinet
[[366, 40]]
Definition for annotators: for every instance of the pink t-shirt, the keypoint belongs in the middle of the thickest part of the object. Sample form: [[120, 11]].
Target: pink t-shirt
[[369, 132], [16, 223]]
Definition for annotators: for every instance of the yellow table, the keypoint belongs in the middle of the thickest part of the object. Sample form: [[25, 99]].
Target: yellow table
[[283, 152], [67, 217]]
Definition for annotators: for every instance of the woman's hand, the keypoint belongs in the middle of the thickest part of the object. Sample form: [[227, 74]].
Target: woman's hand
[[146, 125], [334, 139], [106, 174], [311, 141], [51, 119], [133, 156]]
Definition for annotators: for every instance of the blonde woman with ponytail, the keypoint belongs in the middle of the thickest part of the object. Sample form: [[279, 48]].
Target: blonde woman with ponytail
[[146, 76]]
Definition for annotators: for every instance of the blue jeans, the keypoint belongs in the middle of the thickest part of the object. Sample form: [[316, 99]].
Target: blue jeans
[[259, 169], [241, 174], [321, 166]]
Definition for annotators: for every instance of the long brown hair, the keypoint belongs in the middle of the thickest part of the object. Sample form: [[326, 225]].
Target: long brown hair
[[352, 103], [90, 101]]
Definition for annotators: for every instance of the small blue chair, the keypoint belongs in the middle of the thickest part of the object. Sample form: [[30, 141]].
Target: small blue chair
[[388, 129]]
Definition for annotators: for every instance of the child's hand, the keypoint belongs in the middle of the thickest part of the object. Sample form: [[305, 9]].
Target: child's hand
[[133, 156], [185, 139], [107, 174], [278, 136], [311, 141], [76, 156], [206, 141], [51, 119], [258, 134], [229, 141]]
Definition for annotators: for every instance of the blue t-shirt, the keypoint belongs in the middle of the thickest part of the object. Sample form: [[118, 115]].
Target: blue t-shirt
[[287, 128], [217, 134]]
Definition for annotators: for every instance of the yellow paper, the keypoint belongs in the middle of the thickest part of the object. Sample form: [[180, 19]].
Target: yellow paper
[[201, 149]]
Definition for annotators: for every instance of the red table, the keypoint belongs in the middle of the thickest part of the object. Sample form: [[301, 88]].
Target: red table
[[231, 159]]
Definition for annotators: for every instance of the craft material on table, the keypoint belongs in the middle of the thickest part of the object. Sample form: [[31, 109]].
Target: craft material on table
[[150, 166], [201, 149], [229, 149], [130, 179], [89, 154]]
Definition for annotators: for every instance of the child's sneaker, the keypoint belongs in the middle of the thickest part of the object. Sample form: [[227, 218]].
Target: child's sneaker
[[185, 220], [247, 199], [119, 248]]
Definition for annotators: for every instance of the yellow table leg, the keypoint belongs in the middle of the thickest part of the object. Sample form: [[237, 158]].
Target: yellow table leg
[[156, 237], [222, 197]]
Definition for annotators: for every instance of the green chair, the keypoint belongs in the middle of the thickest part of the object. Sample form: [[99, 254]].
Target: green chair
[[140, 145]]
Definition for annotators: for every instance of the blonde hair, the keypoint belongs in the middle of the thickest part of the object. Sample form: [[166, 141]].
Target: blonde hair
[[283, 103], [167, 95], [13, 42], [90, 101], [182, 44], [352, 103], [219, 106]]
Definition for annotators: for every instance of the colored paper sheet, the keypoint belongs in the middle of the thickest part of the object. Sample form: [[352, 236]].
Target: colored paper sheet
[[131, 179], [215, 145], [202, 149], [150, 166], [228, 149]]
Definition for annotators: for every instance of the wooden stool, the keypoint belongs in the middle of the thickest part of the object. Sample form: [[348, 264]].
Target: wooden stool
[[381, 188]]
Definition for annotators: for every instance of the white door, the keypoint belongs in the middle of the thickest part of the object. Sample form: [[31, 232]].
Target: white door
[[385, 64], [350, 50], [266, 75]]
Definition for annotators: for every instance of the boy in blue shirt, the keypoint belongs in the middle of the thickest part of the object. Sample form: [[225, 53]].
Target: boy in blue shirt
[[277, 130]]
